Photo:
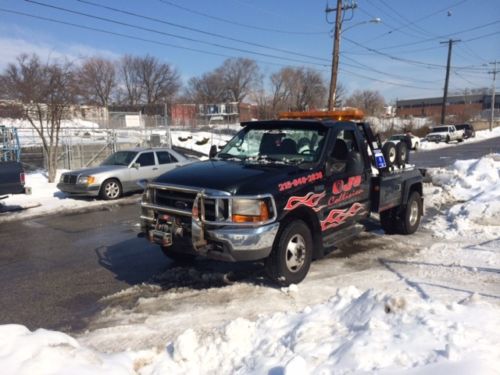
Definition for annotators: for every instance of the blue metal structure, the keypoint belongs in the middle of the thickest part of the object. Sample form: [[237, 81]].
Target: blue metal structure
[[11, 148]]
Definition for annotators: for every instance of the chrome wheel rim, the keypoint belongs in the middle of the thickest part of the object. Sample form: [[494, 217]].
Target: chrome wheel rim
[[295, 253], [112, 190], [392, 154], [413, 213]]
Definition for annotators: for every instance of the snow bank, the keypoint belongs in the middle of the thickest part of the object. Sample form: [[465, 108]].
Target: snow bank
[[47, 199], [472, 187], [354, 331]]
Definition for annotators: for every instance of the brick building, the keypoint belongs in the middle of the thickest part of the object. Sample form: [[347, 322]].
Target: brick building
[[459, 105]]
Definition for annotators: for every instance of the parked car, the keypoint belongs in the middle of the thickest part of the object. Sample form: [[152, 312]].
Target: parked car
[[445, 133], [263, 196], [11, 178], [468, 129], [121, 172], [413, 142]]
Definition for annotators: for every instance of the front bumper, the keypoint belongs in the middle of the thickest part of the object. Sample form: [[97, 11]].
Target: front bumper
[[227, 244], [79, 189]]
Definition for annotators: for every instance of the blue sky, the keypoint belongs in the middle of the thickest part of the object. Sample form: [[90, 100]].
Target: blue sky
[[401, 57]]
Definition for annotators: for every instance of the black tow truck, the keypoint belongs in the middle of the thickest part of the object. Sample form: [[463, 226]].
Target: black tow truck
[[282, 191]]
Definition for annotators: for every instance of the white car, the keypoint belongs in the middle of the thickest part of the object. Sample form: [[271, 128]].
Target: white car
[[445, 133], [412, 141]]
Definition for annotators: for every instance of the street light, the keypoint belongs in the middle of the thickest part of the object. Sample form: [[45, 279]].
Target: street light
[[335, 57]]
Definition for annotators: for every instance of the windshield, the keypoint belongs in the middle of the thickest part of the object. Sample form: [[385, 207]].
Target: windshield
[[280, 144], [397, 137], [120, 158], [441, 129]]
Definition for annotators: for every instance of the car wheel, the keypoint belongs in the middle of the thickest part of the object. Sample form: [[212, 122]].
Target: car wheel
[[185, 258], [389, 151], [448, 139], [291, 257], [411, 214], [402, 154], [417, 146], [111, 189]]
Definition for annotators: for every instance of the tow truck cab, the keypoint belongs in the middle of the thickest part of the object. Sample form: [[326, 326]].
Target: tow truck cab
[[283, 191]]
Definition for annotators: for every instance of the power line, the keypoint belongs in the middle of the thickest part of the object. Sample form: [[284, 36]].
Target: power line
[[128, 36], [421, 19], [445, 36], [204, 32], [253, 27], [171, 34]]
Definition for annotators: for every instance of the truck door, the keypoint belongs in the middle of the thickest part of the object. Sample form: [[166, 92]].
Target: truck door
[[347, 181]]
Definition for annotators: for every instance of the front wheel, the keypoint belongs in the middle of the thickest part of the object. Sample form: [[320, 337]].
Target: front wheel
[[111, 189], [291, 257]]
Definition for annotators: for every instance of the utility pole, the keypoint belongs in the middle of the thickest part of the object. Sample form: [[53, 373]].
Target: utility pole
[[336, 49], [445, 94], [493, 89]]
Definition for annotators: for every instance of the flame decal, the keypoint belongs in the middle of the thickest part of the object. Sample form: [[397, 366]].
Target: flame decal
[[310, 200], [338, 217]]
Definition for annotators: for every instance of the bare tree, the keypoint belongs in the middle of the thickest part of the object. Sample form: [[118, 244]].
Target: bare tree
[[96, 80], [147, 80], [371, 102], [240, 77], [160, 81], [207, 89], [131, 80], [297, 89], [45, 89]]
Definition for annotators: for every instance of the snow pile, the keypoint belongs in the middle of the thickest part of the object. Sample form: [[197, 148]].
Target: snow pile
[[473, 189], [354, 331], [47, 199]]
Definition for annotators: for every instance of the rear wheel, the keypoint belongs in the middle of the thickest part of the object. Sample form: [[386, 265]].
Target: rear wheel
[[411, 214], [291, 257], [111, 189]]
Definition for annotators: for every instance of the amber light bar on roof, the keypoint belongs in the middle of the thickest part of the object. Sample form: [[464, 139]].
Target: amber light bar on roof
[[337, 114]]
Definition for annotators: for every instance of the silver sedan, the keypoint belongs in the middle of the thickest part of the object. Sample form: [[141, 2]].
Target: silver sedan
[[121, 172]]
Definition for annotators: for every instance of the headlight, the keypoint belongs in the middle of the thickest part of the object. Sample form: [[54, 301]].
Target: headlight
[[249, 210], [61, 179], [86, 180], [146, 195]]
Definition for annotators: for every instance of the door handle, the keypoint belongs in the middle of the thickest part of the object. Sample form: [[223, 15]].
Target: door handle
[[155, 169]]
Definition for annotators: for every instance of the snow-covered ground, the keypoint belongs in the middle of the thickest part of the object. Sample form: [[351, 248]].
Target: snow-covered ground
[[422, 304], [47, 199]]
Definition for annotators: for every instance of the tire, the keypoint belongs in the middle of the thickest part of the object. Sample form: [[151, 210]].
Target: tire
[[291, 256], [417, 146], [411, 214], [111, 189], [448, 139], [389, 221], [460, 140], [184, 258], [389, 151], [402, 154]]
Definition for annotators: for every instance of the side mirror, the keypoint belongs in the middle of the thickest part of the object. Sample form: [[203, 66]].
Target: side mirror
[[212, 152], [136, 165]]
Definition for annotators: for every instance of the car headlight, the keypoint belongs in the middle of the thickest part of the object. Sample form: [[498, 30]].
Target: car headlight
[[86, 180], [249, 210], [146, 195], [61, 179]]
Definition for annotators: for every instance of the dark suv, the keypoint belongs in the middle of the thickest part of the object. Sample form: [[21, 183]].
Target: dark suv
[[468, 130]]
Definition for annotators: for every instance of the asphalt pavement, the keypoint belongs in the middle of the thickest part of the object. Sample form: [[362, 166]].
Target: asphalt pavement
[[446, 156], [54, 269]]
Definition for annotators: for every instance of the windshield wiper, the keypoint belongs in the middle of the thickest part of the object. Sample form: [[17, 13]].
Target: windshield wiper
[[227, 156]]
